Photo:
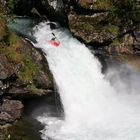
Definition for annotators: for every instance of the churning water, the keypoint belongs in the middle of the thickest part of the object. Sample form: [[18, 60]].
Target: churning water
[[93, 107]]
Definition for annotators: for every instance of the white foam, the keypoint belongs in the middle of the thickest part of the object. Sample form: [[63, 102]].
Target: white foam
[[94, 110]]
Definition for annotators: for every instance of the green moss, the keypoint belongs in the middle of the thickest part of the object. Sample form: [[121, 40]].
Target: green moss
[[22, 130], [13, 56], [28, 70], [12, 38], [84, 26], [31, 87], [112, 29], [115, 42], [11, 49], [102, 4], [87, 26]]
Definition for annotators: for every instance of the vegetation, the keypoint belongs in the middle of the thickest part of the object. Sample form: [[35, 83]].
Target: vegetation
[[115, 42], [21, 130], [10, 5], [28, 70], [102, 4], [125, 10], [10, 47], [112, 29], [87, 26]]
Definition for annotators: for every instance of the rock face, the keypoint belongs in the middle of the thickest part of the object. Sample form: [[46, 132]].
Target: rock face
[[104, 29], [10, 110], [24, 73], [51, 9], [23, 68]]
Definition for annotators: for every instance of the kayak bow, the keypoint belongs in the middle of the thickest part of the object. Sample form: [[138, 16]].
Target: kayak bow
[[54, 43]]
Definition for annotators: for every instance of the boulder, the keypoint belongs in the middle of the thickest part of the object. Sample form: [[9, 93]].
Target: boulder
[[10, 111]]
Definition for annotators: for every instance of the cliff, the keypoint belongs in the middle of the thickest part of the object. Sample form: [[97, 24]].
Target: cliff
[[24, 72]]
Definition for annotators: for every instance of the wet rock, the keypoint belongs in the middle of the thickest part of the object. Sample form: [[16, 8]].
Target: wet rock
[[10, 111], [89, 29], [25, 72], [42, 81], [17, 91], [109, 39], [50, 9]]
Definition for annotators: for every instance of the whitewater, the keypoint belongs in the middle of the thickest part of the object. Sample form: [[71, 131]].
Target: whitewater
[[94, 108]]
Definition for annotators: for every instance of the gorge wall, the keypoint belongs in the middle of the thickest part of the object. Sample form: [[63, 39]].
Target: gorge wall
[[24, 72], [110, 28]]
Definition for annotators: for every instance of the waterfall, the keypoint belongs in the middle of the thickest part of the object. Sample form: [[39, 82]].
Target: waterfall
[[93, 108], [22, 26]]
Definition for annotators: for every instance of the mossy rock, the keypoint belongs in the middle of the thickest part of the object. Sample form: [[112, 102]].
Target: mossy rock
[[21, 130], [115, 42], [102, 4], [3, 28], [88, 27], [27, 63], [112, 29]]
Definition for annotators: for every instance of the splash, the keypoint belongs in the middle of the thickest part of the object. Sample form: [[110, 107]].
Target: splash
[[93, 108]]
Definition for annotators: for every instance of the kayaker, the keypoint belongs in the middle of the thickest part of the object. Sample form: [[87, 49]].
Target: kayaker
[[54, 41]]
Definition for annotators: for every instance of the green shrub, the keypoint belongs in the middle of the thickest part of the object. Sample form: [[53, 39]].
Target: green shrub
[[10, 4]]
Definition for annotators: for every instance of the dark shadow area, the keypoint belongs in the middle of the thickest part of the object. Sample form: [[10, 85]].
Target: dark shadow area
[[43, 9], [49, 103], [81, 10], [28, 127]]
